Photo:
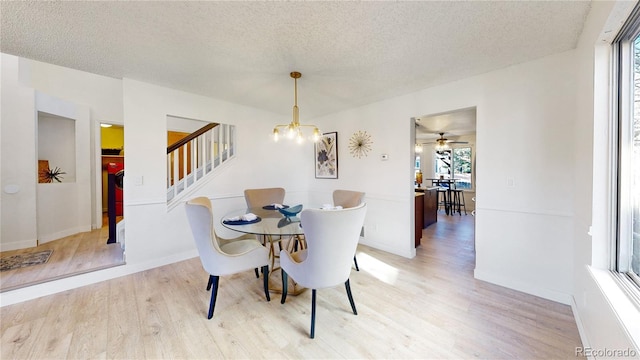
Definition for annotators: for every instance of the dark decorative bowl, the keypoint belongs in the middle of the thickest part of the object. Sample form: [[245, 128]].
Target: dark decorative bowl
[[291, 211]]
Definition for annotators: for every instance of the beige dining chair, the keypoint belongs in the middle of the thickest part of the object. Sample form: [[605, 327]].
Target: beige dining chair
[[257, 198], [348, 199], [226, 257], [332, 237], [260, 197]]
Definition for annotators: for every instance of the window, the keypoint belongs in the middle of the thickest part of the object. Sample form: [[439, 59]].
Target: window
[[417, 172], [462, 167], [455, 163], [627, 52]]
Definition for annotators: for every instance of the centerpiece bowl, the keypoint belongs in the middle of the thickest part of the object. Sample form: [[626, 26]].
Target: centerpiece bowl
[[291, 211]]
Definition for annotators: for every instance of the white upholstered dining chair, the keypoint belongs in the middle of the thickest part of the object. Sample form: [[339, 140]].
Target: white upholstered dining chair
[[221, 257], [332, 237], [257, 198], [265, 196], [348, 199]]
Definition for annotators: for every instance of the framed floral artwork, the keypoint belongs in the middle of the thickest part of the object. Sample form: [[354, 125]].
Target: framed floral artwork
[[326, 156]]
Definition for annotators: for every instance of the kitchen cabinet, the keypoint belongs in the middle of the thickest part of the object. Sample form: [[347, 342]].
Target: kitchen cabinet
[[419, 217], [430, 207]]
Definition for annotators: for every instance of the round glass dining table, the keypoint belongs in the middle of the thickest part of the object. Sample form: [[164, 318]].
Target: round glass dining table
[[271, 224], [275, 228]]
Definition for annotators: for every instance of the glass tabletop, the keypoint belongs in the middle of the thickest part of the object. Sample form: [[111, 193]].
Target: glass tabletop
[[272, 222]]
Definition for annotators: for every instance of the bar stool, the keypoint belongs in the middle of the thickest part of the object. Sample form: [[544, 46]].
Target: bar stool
[[458, 201], [442, 199]]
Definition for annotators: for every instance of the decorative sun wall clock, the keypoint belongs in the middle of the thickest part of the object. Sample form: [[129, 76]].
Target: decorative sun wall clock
[[360, 144]]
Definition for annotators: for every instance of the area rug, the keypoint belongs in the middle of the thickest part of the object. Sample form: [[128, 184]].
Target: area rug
[[24, 260]]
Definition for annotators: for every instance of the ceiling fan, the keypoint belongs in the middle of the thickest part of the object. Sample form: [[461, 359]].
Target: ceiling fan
[[442, 143]]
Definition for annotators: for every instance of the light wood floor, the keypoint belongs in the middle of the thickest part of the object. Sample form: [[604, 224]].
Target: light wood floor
[[426, 307], [72, 255]]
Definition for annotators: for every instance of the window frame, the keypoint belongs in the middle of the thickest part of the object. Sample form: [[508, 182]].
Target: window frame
[[473, 163], [624, 98]]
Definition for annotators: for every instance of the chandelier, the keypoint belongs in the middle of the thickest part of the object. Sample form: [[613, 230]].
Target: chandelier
[[294, 129]]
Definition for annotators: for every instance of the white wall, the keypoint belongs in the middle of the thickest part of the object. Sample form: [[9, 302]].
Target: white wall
[[56, 144], [183, 125], [524, 232], [154, 232], [17, 159], [99, 96], [524, 125], [599, 324], [387, 183]]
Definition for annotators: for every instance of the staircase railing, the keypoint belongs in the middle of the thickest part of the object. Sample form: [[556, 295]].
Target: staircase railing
[[192, 158]]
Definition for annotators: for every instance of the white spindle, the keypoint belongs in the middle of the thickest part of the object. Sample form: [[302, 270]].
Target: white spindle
[[200, 157], [168, 171], [213, 148], [193, 159], [176, 174]]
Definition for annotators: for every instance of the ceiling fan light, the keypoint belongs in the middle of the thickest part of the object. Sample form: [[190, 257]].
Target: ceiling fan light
[[441, 145]]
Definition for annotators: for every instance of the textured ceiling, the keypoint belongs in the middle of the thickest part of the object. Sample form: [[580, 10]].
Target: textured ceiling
[[349, 53], [452, 124]]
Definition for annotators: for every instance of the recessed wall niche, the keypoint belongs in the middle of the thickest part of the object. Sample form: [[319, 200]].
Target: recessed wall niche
[[57, 147]]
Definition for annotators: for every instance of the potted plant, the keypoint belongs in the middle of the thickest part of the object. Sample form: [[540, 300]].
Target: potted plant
[[49, 175]]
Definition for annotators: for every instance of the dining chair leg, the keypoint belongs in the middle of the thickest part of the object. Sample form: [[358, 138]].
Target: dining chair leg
[[257, 275], [355, 261], [285, 281], [214, 295], [313, 313], [353, 304], [210, 282], [265, 275]]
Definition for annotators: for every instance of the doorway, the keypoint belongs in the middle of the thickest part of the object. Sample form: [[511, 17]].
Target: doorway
[[448, 154], [445, 158]]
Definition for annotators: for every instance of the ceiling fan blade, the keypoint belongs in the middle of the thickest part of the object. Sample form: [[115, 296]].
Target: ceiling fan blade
[[457, 142]]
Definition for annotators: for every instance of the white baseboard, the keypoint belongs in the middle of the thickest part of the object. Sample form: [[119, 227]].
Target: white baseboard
[[16, 245], [580, 325], [76, 281], [64, 233], [510, 283], [386, 248]]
